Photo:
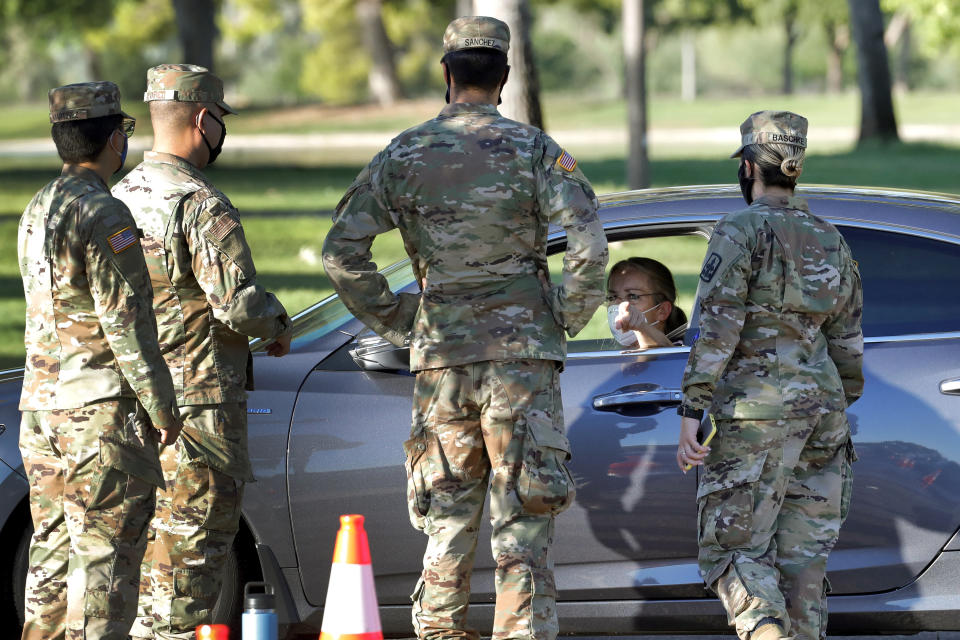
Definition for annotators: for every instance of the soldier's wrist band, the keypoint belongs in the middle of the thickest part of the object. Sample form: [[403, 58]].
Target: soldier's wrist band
[[687, 412]]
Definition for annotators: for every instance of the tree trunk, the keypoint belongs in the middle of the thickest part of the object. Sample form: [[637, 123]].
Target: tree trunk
[[521, 95], [464, 8], [838, 38], [688, 66], [634, 56], [877, 119], [897, 38], [197, 30], [790, 41], [382, 80]]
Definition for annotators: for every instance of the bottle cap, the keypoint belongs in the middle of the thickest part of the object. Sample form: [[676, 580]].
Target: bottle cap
[[259, 595]]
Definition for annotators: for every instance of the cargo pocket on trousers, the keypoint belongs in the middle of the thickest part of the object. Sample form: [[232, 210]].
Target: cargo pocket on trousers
[[544, 484], [417, 599], [726, 500], [141, 462], [846, 479], [418, 492]]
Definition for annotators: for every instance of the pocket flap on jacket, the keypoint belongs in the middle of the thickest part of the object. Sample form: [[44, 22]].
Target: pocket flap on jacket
[[732, 472]]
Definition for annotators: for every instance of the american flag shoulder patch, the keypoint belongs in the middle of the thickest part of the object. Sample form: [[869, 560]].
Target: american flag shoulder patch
[[222, 227], [567, 161], [123, 239]]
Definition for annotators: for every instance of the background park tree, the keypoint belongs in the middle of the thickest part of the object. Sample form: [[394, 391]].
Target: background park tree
[[877, 118]]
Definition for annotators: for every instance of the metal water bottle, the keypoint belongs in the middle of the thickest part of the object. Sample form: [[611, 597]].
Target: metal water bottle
[[259, 619]]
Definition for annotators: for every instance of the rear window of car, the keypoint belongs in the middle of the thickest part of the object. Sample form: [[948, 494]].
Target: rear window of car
[[911, 284]]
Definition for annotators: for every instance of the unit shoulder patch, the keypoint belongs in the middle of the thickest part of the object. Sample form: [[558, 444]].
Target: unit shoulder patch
[[123, 239], [567, 161], [710, 267]]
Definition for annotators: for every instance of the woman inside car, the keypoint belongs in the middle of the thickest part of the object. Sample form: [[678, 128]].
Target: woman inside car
[[642, 307]]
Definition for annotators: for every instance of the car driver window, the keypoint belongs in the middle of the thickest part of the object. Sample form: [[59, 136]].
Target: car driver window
[[644, 268]]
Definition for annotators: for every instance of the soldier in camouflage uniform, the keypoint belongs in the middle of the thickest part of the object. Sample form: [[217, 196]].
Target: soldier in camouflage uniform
[[95, 387], [472, 194], [777, 362], [208, 305]]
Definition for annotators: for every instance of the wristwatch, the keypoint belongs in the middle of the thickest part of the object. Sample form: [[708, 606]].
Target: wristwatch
[[687, 412]]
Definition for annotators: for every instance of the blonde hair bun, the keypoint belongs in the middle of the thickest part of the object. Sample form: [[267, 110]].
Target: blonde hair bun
[[792, 166]]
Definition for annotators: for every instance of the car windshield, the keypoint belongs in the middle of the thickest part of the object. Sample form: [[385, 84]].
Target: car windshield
[[330, 313]]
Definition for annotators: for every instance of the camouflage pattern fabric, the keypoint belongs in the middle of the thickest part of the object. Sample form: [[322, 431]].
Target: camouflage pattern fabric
[[208, 304], [90, 330], [206, 295], [476, 32], [197, 517], [772, 127], [184, 83], [780, 306], [498, 424], [84, 100], [472, 194], [92, 474], [772, 497]]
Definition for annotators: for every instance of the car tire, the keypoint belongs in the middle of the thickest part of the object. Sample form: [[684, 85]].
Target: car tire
[[236, 572], [18, 576]]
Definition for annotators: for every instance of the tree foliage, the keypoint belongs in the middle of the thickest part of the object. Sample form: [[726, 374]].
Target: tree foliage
[[936, 23]]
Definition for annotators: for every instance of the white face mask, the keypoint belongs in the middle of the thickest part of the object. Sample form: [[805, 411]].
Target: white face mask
[[626, 338]]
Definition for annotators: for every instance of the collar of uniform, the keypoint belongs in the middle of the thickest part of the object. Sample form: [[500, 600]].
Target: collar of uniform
[[180, 163], [460, 108], [82, 173], [783, 202]]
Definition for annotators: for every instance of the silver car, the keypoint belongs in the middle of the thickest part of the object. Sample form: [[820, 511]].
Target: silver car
[[326, 425]]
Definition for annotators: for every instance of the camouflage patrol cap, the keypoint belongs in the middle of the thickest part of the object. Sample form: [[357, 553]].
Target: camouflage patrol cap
[[778, 127], [84, 100], [184, 83], [476, 32]]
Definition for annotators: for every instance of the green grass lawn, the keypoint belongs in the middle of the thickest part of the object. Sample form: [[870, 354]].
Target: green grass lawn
[[285, 201]]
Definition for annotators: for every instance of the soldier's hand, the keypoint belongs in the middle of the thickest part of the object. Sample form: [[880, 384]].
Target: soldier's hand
[[690, 452], [169, 435], [167, 427], [280, 346]]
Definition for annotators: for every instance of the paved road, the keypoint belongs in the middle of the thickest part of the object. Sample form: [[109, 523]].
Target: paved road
[[578, 139]]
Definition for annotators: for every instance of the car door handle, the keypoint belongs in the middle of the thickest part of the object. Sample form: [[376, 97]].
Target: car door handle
[[638, 396], [950, 387]]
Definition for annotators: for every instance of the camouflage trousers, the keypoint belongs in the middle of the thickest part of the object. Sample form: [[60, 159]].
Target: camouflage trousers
[[92, 474], [198, 514], [772, 497], [496, 424]]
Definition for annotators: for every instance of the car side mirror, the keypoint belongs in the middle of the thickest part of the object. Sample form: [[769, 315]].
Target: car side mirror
[[373, 353]]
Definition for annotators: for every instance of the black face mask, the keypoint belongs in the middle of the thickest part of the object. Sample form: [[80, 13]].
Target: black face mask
[[215, 151], [746, 184]]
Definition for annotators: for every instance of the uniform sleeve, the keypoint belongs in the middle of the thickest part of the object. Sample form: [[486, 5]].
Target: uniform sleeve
[[722, 295], [568, 200], [123, 301], [844, 333], [359, 218], [223, 266]]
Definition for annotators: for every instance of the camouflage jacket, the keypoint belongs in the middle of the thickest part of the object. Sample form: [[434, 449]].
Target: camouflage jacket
[[90, 331], [205, 292], [472, 194], [780, 303]]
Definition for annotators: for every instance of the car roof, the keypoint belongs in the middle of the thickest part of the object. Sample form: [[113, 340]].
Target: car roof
[[937, 213]]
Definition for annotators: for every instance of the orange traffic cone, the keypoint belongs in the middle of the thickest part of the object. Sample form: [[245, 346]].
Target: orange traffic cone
[[350, 612], [213, 632]]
